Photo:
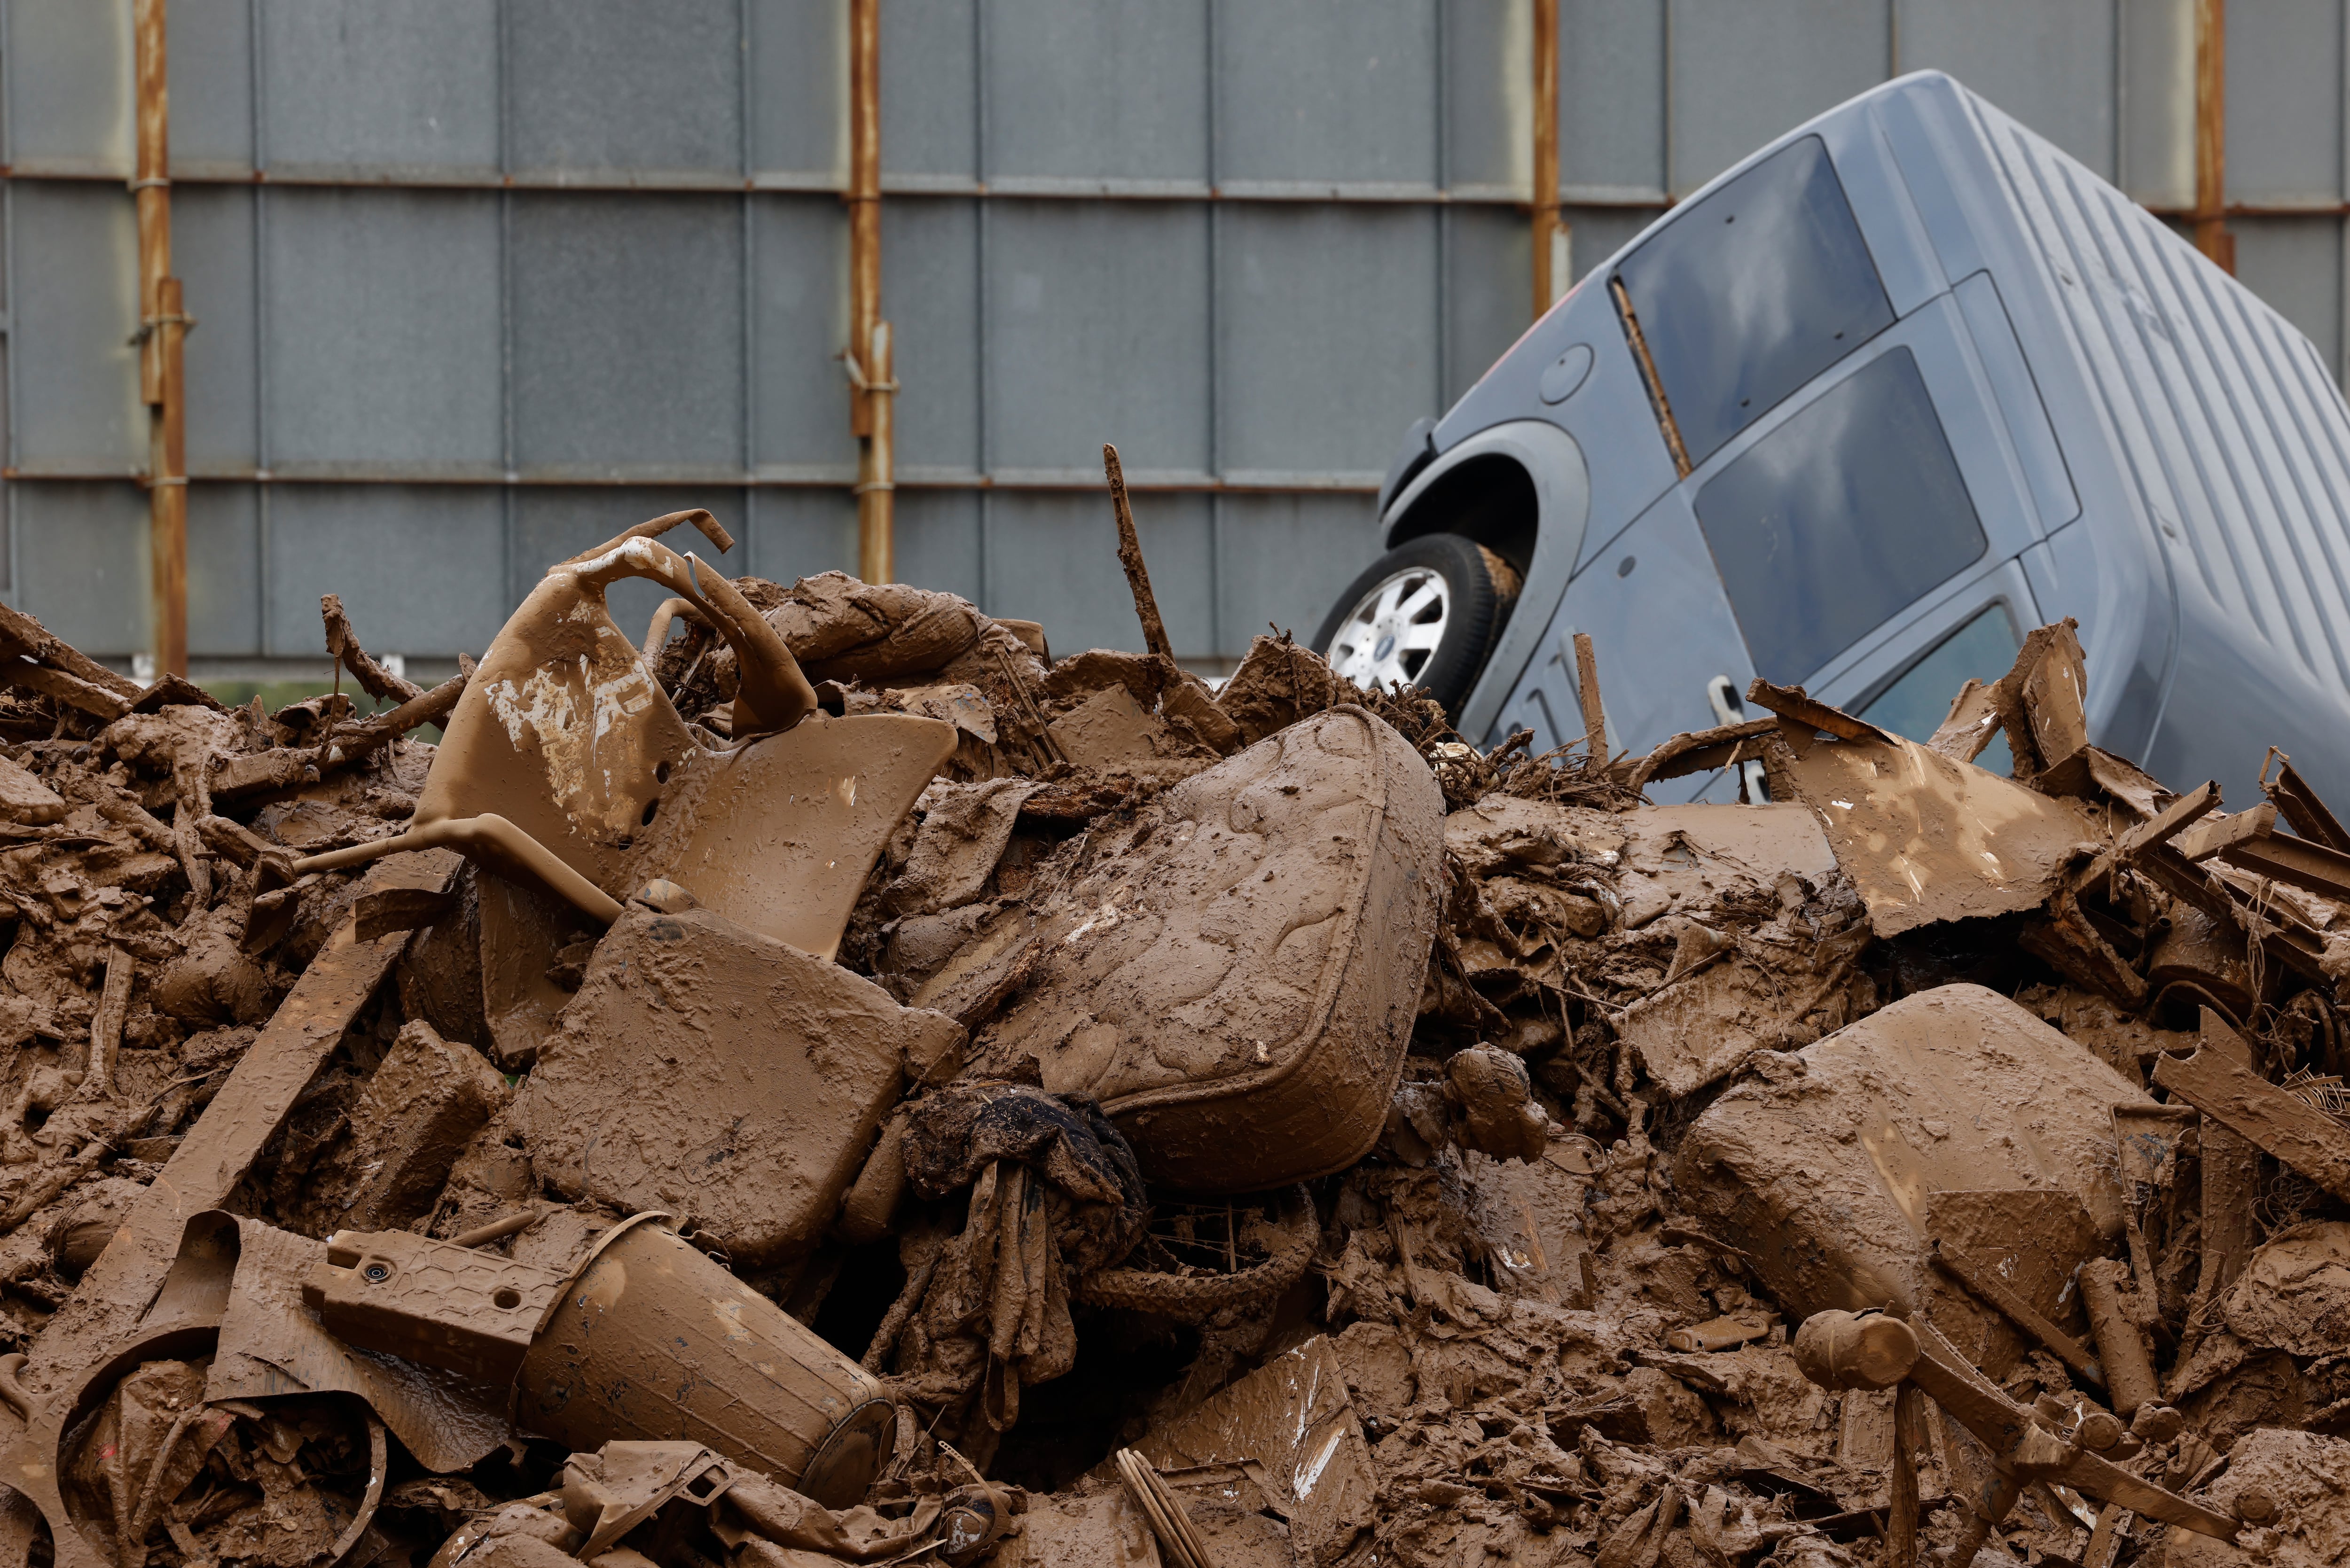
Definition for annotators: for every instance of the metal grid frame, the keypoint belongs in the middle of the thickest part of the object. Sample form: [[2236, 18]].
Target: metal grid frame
[[1226, 194]]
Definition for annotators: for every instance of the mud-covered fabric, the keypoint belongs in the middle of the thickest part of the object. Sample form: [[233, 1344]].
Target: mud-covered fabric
[[953, 1137], [1055, 1194]]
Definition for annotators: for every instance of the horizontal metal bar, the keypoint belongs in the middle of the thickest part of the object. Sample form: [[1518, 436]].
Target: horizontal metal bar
[[1106, 187], [1630, 198], [2315, 208], [1236, 483], [1614, 195], [816, 183]]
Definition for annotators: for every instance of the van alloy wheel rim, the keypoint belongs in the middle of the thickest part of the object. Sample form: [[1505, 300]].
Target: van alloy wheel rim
[[1393, 631]]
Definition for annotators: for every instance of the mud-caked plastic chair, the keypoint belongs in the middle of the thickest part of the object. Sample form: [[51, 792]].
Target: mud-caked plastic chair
[[567, 775]]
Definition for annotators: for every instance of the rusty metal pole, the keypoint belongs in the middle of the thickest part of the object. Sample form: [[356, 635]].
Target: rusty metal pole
[[869, 359], [162, 325], [2211, 235], [1545, 193]]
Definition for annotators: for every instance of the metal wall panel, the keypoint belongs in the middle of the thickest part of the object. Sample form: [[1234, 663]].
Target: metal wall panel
[[350, 85], [1097, 322], [929, 90], [1300, 553], [82, 559], [1742, 73], [2157, 101], [1095, 89], [211, 86], [2285, 102], [423, 569], [1327, 91], [1612, 132], [796, 532], [603, 85], [1054, 558], [930, 284], [1486, 295], [212, 250], [1359, 283], [73, 308], [799, 247], [2295, 265], [628, 333], [69, 69], [2057, 55], [799, 90], [1488, 97], [403, 286], [225, 577], [938, 541]]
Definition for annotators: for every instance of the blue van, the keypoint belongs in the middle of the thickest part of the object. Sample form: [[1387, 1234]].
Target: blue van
[[1894, 390]]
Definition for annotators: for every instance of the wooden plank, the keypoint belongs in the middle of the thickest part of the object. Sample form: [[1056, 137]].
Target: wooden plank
[[1799, 706], [1902, 1508], [1586, 686], [1987, 1284], [2299, 1134], [2307, 812], [71, 691], [2323, 871], [2108, 1482], [22, 633], [2171, 820], [2218, 835]]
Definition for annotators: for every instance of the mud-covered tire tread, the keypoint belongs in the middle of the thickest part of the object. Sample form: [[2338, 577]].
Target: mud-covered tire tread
[[1198, 1296]]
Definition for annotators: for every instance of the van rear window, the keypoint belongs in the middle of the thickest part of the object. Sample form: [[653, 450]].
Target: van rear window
[[1831, 524], [1753, 291]]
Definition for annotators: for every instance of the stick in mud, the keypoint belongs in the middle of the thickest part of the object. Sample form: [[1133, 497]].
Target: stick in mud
[[1129, 555], [1586, 684]]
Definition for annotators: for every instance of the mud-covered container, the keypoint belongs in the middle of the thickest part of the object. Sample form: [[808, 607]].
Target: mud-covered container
[[652, 1340], [1236, 981]]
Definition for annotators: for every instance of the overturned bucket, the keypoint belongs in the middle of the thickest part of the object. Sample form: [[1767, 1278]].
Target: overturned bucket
[[645, 1340], [652, 1340]]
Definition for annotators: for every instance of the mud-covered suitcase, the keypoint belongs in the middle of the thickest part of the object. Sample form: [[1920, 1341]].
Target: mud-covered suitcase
[[1234, 976]]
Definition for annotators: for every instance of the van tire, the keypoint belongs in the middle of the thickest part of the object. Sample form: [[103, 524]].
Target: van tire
[[1475, 590]]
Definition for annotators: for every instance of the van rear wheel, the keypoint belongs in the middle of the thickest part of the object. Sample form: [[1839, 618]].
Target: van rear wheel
[[1424, 614]]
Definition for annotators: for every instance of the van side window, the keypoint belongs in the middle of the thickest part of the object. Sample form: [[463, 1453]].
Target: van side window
[[1916, 704], [1752, 291], [1834, 523]]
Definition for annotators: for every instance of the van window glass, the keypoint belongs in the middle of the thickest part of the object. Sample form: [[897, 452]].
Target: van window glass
[[1916, 705], [1838, 520], [1753, 291]]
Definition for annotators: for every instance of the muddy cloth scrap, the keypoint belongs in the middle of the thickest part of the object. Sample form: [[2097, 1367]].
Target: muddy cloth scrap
[[1054, 1191]]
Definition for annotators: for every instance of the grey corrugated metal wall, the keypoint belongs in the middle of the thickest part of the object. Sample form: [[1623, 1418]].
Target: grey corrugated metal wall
[[480, 281]]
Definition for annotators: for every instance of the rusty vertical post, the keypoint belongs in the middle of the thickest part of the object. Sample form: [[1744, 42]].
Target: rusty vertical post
[[2211, 235], [869, 359], [1545, 193], [162, 325]]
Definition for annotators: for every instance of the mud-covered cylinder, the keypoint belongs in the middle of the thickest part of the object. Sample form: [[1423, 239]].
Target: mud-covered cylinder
[[651, 1340]]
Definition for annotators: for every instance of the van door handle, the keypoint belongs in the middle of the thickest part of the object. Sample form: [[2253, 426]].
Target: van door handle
[[1721, 696]]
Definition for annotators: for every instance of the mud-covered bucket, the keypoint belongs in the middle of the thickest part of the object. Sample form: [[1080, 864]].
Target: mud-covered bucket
[[651, 1340]]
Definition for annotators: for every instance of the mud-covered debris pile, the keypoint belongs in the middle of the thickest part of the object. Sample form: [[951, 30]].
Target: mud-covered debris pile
[[832, 1082]]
